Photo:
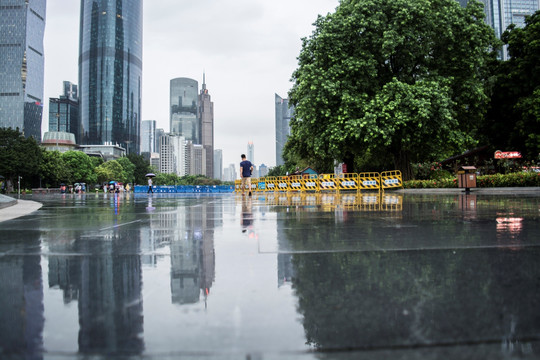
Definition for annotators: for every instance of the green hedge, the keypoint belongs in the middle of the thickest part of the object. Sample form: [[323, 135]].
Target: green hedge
[[520, 179]]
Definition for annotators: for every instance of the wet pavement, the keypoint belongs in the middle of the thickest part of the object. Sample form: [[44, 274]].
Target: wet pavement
[[399, 275]]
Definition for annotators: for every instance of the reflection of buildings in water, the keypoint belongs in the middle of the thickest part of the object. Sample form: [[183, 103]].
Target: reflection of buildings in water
[[21, 304], [189, 231], [192, 255], [108, 288]]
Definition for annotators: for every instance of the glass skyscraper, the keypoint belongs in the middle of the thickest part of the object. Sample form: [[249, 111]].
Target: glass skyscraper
[[64, 111], [501, 13], [183, 101], [283, 118], [110, 73], [22, 26]]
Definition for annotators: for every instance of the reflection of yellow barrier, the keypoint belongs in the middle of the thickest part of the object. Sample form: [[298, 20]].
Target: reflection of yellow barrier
[[392, 203], [329, 201], [391, 179], [369, 181]]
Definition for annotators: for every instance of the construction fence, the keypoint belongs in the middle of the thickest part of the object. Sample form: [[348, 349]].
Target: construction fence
[[326, 182]]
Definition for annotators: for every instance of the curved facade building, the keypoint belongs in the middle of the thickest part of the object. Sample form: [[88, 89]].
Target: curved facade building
[[184, 120], [110, 73]]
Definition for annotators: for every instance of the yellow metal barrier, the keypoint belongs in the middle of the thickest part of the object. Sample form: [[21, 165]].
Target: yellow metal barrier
[[348, 181], [237, 185], [270, 183], [369, 181], [327, 182], [282, 183], [310, 183], [295, 183], [391, 179]]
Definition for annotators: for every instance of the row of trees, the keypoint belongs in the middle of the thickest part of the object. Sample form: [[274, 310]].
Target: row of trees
[[387, 83], [21, 156]]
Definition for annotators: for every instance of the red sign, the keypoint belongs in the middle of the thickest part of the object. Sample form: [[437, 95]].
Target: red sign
[[344, 168], [507, 155]]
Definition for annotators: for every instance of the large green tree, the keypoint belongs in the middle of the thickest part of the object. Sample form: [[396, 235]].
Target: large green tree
[[142, 167], [391, 79], [19, 156], [110, 170], [514, 117], [52, 169], [79, 167]]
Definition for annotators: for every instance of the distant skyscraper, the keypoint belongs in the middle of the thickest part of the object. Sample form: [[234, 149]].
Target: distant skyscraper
[[195, 159], [110, 72], [22, 26], [172, 155], [218, 164], [64, 111], [183, 107], [159, 134], [283, 130], [148, 137], [501, 13], [263, 170], [206, 116], [251, 152]]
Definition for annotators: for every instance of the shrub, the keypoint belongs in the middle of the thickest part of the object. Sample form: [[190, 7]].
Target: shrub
[[520, 179]]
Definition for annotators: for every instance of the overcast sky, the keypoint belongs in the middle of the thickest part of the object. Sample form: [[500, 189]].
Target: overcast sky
[[248, 49]]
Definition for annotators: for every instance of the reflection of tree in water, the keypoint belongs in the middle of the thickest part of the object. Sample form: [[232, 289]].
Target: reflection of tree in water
[[379, 299]]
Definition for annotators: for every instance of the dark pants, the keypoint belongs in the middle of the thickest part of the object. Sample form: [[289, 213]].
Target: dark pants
[[150, 190]]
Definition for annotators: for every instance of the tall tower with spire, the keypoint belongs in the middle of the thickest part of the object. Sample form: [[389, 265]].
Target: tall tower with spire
[[206, 116]]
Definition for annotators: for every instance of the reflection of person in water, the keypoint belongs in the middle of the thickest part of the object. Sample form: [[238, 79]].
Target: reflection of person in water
[[247, 215]]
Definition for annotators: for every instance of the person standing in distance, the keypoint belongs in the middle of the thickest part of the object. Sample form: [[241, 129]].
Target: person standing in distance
[[150, 190], [246, 167]]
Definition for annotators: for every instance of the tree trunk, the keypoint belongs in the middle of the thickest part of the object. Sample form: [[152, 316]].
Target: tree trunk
[[402, 163]]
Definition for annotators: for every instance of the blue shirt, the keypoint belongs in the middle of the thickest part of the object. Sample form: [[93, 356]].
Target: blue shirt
[[246, 168]]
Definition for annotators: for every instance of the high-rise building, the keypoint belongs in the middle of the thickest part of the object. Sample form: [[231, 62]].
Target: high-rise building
[[183, 107], [263, 170], [195, 159], [206, 117], [64, 111], [172, 155], [501, 13], [149, 143], [218, 164], [251, 152], [159, 134], [22, 26], [283, 130], [110, 72]]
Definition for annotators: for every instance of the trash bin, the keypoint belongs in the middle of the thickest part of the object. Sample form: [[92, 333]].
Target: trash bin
[[467, 177]]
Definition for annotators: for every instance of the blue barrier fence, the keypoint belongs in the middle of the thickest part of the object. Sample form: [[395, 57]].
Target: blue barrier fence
[[185, 189]]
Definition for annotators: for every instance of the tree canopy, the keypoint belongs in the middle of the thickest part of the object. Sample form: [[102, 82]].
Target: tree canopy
[[514, 117], [400, 80], [19, 156]]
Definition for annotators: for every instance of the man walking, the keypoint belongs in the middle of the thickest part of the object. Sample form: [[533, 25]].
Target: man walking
[[246, 167], [150, 190]]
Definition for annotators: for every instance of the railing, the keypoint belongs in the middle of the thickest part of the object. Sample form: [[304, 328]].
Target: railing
[[326, 182]]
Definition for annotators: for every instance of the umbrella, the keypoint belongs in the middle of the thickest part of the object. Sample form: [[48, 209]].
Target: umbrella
[[150, 175], [112, 182]]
